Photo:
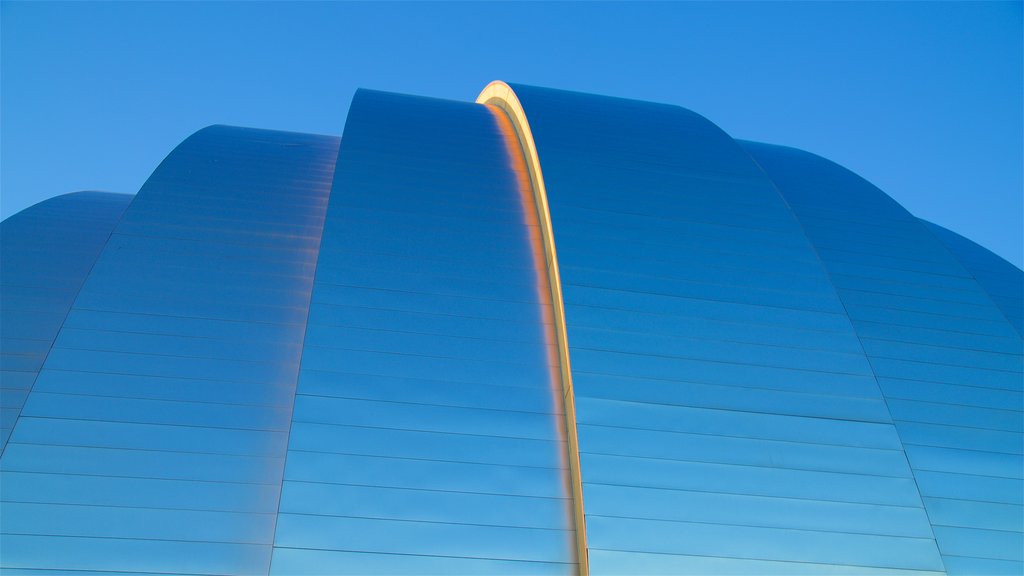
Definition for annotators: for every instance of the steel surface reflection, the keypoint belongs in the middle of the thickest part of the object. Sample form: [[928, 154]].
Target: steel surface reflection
[[663, 222], [155, 435], [296, 355], [1001, 280], [46, 252], [523, 151], [950, 399], [429, 411]]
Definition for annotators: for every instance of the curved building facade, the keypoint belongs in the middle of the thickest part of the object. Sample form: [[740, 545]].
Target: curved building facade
[[542, 333]]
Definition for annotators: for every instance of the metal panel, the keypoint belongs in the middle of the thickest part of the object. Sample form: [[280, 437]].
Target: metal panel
[[241, 378], [941, 340], [46, 252], [155, 438], [428, 434], [1002, 281], [664, 226]]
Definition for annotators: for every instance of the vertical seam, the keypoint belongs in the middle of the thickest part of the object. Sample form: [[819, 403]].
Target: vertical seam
[[846, 313], [501, 96], [74, 300]]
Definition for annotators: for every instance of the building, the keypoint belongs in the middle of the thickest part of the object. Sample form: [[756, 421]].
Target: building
[[299, 354]]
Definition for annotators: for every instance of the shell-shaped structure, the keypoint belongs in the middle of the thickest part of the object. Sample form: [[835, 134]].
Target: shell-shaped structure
[[542, 333]]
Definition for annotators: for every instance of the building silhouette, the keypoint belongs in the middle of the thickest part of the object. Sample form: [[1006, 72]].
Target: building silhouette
[[542, 333]]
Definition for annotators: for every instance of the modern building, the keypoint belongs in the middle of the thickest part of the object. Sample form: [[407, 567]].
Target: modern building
[[542, 333]]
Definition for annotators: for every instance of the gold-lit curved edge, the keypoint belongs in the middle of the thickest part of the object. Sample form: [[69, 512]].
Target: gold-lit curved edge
[[500, 95]]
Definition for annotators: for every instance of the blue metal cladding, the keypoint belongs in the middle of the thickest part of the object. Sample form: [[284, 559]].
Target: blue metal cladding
[[155, 435], [729, 421], [946, 357], [426, 436], [1003, 282], [297, 355], [46, 252]]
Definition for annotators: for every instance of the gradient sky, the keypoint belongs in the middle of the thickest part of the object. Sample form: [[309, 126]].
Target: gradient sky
[[924, 99]]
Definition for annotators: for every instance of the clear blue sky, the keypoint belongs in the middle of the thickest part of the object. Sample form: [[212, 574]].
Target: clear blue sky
[[924, 99]]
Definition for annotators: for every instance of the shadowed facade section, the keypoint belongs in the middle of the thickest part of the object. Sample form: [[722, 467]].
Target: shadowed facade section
[[1000, 279], [944, 353], [46, 252]]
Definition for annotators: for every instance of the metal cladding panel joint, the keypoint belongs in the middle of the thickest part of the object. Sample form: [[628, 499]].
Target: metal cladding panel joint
[[725, 407], [154, 437], [941, 344], [298, 354], [46, 252], [1003, 281], [428, 430], [502, 99]]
